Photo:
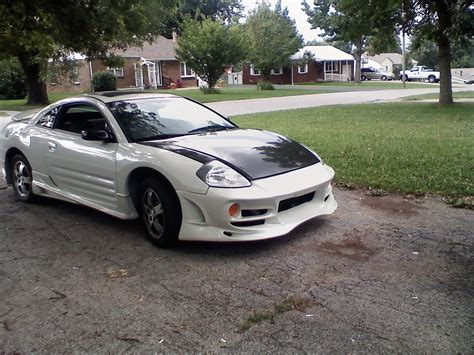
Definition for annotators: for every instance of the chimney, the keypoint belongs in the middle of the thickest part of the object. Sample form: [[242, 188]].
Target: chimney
[[175, 36]]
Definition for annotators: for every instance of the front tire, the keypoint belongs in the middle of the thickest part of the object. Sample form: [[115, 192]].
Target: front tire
[[22, 178], [363, 77], [384, 78], [161, 213]]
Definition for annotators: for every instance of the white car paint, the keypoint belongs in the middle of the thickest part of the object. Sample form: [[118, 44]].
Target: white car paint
[[96, 173]]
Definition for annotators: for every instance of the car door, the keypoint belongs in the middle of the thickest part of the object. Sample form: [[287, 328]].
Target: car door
[[82, 169]]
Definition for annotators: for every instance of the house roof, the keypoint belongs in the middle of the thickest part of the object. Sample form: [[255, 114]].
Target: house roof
[[395, 58], [323, 53], [161, 49]]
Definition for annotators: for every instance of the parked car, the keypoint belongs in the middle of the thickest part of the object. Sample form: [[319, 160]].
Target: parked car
[[372, 73], [185, 170], [420, 72]]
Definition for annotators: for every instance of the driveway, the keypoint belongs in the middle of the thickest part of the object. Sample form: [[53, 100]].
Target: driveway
[[382, 275]]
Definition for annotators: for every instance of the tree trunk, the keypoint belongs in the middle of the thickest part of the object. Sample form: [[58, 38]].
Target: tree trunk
[[444, 54], [358, 57], [37, 94]]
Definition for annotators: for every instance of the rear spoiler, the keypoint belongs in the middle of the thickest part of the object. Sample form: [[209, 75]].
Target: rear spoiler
[[25, 115]]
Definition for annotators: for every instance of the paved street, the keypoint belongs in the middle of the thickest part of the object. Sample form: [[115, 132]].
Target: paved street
[[233, 108]]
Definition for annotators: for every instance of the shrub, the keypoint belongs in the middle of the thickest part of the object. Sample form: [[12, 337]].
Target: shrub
[[104, 81], [12, 80], [265, 85], [207, 90]]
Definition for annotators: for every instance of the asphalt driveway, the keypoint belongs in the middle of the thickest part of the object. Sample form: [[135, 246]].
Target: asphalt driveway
[[383, 274]]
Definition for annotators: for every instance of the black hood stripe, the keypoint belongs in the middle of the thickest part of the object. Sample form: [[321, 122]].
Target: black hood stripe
[[194, 155]]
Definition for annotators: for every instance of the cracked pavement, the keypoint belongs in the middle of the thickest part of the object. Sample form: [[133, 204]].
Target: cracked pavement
[[382, 275]]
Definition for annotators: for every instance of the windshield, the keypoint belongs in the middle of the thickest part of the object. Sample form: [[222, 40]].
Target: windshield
[[165, 117]]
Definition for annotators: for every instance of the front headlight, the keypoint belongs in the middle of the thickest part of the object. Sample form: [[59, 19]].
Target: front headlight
[[217, 174]]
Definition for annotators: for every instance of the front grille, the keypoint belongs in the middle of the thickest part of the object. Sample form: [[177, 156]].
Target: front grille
[[248, 223], [295, 201]]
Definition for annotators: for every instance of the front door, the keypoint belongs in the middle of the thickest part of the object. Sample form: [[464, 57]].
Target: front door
[[80, 168]]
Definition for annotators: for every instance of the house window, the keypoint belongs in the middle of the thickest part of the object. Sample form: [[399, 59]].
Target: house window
[[186, 72], [277, 71], [331, 67], [118, 72], [254, 71], [303, 69]]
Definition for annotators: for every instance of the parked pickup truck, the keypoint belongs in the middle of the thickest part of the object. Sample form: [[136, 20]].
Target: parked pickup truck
[[420, 72]]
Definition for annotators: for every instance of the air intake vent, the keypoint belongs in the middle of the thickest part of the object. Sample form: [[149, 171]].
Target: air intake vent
[[295, 201]]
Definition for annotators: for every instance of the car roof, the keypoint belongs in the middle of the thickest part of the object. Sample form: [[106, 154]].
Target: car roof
[[111, 96]]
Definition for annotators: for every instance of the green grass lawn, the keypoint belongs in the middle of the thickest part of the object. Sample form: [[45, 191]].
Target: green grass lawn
[[20, 105], [407, 147], [456, 95], [243, 93], [372, 84], [237, 93]]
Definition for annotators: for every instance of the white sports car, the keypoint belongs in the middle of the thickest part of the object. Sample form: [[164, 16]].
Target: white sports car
[[187, 171]]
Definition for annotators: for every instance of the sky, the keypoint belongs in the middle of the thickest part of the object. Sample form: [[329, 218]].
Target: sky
[[294, 9]]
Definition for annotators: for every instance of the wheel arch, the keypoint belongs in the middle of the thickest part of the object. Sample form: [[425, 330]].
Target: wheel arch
[[8, 162], [135, 179]]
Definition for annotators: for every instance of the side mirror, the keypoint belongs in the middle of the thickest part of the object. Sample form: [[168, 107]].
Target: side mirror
[[96, 135]]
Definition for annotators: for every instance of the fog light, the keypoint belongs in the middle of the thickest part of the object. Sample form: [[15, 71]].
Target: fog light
[[234, 210]]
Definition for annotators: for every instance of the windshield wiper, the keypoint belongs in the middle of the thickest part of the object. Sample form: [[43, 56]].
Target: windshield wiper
[[209, 129], [159, 136]]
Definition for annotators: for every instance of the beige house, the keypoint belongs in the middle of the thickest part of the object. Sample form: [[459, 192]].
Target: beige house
[[388, 61]]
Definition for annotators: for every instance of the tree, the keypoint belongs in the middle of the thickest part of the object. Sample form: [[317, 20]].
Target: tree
[[358, 22], [35, 31], [210, 47], [448, 24], [273, 38], [225, 11], [426, 53]]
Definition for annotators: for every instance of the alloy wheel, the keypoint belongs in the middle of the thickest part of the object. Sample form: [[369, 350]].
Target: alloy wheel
[[22, 179], [153, 215]]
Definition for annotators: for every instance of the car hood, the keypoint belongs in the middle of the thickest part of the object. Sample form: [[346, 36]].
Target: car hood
[[254, 153]]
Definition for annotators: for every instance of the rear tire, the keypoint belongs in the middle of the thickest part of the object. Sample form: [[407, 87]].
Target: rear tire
[[432, 79], [160, 212], [22, 178], [384, 78], [363, 77]]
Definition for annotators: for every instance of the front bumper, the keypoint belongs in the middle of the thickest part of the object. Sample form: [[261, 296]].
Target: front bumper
[[277, 205]]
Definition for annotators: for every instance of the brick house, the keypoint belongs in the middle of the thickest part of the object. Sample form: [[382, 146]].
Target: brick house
[[329, 64], [152, 66]]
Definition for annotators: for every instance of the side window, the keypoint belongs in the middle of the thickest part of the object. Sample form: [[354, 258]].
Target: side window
[[78, 118], [48, 119]]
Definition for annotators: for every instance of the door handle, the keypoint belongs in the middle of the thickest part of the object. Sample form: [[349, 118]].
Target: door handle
[[52, 146]]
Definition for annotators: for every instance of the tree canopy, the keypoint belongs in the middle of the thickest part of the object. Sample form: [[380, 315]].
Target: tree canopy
[[34, 31], [273, 38], [225, 11], [358, 22], [209, 47]]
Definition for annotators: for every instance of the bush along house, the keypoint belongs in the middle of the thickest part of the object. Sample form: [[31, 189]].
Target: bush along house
[[327, 64], [151, 66]]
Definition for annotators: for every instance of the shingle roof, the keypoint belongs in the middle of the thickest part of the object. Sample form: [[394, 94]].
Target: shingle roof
[[395, 58], [161, 49], [323, 53]]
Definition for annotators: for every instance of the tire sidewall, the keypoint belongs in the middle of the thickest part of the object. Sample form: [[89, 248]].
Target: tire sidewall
[[171, 212]]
